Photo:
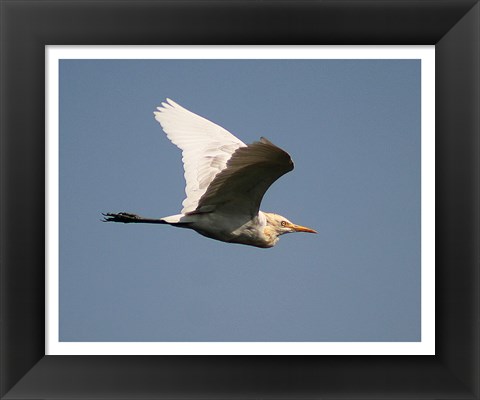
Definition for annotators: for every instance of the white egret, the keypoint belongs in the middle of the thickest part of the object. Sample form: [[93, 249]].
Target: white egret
[[225, 182]]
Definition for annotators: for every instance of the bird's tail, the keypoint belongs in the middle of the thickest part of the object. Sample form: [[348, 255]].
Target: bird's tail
[[173, 219]]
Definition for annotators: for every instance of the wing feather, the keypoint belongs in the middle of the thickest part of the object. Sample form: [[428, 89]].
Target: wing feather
[[240, 187], [206, 148]]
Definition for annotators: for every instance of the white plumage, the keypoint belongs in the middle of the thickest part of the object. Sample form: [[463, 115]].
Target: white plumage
[[206, 148], [225, 181]]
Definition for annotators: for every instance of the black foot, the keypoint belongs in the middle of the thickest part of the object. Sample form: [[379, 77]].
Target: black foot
[[120, 217]]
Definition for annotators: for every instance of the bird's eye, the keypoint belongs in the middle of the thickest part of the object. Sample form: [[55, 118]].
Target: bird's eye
[[284, 223]]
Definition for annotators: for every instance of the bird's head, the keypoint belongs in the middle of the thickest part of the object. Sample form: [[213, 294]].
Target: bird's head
[[278, 225]]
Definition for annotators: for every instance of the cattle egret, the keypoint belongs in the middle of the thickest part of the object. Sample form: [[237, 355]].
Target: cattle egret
[[225, 182]]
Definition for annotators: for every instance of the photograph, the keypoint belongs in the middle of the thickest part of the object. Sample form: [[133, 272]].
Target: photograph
[[328, 148]]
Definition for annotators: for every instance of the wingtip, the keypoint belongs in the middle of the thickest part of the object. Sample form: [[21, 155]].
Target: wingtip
[[170, 103], [166, 105], [263, 139]]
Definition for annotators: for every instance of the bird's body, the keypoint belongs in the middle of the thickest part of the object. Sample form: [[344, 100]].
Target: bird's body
[[225, 182], [254, 231], [232, 229]]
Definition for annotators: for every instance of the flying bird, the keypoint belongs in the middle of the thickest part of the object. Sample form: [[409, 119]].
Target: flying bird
[[226, 180]]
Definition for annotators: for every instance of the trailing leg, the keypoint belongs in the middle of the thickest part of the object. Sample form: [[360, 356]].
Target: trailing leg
[[127, 218]]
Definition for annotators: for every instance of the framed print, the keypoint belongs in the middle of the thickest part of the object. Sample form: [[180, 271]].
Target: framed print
[[34, 35], [239, 300]]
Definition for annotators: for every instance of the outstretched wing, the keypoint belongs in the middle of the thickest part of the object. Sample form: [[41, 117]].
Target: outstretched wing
[[206, 148], [239, 188]]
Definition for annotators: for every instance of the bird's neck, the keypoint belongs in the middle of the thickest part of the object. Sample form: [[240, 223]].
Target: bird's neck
[[270, 234]]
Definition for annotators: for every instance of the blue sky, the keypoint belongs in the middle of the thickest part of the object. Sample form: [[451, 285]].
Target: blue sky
[[352, 128]]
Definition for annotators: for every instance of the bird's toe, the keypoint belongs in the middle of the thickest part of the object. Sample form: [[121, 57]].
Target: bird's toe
[[119, 217], [129, 215]]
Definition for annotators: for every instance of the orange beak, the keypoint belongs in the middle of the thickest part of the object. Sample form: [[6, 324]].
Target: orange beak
[[299, 228]]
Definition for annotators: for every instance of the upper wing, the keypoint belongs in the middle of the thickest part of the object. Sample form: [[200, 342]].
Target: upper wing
[[240, 187], [206, 148]]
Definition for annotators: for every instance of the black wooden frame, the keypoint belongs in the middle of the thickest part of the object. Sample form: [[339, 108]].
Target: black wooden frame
[[453, 26]]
